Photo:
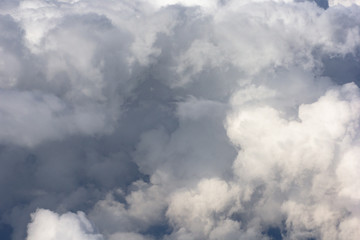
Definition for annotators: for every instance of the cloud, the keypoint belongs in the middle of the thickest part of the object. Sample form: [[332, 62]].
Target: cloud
[[29, 118], [48, 225], [179, 120], [301, 159], [344, 3], [200, 210]]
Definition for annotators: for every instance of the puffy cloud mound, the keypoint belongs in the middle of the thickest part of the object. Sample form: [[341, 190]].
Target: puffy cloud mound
[[178, 119], [50, 226], [302, 159]]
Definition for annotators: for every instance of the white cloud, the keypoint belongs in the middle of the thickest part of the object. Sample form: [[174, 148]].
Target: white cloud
[[346, 3], [349, 229], [69, 226], [200, 210], [307, 158]]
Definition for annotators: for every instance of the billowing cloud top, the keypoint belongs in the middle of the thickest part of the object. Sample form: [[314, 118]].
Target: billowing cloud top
[[177, 120]]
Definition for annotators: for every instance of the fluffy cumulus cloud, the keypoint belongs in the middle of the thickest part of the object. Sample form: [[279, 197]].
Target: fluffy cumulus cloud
[[179, 120], [48, 225]]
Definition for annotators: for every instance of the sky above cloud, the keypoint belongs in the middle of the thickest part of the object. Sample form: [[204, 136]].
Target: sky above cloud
[[179, 120]]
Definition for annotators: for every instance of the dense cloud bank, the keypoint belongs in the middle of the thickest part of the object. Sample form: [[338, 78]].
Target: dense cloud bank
[[177, 120]]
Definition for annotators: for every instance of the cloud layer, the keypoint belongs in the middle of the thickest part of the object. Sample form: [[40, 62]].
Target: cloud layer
[[177, 120]]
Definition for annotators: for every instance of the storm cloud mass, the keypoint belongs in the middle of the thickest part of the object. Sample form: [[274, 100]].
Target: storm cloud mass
[[179, 119]]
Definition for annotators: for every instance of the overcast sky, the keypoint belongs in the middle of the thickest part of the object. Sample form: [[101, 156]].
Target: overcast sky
[[179, 119]]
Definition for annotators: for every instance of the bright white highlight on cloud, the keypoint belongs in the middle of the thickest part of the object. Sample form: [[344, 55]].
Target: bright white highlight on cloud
[[51, 226], [308, 153], [178, 120]]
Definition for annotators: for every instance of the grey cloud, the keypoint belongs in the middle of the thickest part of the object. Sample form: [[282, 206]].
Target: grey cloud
[[174, 120]]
